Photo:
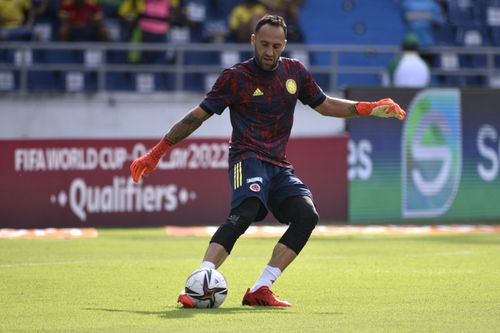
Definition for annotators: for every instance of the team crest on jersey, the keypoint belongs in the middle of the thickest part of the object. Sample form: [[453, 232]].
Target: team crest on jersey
[[255, 187], [291, 86]]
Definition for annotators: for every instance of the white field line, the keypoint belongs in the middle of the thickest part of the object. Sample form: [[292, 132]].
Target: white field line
[[441, 254], [41, 264]]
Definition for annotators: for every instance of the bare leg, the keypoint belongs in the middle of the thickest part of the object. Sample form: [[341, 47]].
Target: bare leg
[[282, 256], [216, 254], [280, 259]]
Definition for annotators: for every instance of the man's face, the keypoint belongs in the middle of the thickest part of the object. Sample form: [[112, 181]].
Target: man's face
[[269, 42]]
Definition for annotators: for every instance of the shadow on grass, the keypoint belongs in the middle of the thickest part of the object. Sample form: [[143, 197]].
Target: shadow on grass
[[172, 312]]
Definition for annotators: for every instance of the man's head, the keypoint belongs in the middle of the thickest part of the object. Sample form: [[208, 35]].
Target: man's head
[[410, 42], [269, 41]]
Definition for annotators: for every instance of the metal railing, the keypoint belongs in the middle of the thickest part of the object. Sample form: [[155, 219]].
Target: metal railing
[[331, 67]]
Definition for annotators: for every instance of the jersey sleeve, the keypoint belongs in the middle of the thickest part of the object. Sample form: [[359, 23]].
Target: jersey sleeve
[[222, 94], [310, 92]]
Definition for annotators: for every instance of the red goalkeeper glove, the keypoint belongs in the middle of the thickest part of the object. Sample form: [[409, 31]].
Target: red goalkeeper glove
[[145, 164], [385, 108]]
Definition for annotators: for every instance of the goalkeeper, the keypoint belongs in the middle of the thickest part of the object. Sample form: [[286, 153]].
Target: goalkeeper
[[261, 94]]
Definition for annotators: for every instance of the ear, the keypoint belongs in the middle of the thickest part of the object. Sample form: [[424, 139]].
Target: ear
[[284, 45], [252, 39]]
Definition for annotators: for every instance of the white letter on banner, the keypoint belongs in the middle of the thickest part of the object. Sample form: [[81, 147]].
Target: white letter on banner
[[487, 132]]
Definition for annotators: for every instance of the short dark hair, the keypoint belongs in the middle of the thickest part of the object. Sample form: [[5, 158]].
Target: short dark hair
[[274, 20]]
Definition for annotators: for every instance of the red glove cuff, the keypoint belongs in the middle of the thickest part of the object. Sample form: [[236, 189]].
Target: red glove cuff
[[364, 108], [161, 149]]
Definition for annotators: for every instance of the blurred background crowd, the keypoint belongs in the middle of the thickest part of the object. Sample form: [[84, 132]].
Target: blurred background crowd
[[428, 23]]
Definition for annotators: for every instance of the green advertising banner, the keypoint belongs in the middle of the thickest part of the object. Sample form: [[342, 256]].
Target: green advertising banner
[[441, 164]]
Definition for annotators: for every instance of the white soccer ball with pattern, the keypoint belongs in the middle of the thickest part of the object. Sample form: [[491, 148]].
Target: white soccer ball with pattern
[[207, 288]]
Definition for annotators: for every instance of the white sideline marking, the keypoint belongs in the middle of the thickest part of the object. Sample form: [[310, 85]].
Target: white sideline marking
[[443, 254], [38, 264]]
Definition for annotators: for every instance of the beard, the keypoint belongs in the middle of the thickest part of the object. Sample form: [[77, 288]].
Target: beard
[[263, 63]]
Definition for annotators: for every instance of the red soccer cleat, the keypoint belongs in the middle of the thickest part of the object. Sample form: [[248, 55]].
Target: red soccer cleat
[[263, 297], [185, 300]]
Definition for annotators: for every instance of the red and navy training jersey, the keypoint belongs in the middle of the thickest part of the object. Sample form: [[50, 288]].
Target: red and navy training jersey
[[262, 105]]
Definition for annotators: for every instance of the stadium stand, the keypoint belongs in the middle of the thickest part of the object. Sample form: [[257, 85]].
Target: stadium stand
[[340, 38], [348, 23]]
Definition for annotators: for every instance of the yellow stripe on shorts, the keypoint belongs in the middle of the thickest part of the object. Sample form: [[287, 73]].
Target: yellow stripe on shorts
[[238, 175]]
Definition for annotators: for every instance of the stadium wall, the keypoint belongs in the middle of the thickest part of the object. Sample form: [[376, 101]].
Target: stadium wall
[[440, 165]]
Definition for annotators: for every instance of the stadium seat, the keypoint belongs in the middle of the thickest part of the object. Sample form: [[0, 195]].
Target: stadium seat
[[114, 29], [495, 36], [120, 81], [43, 30], [44, 81], [8, 80], [471, 38], [62, 56], [493, 15], [444, 35], [465, 13]]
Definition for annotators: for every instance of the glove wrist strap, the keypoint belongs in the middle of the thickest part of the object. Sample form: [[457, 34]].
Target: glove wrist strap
[[160, 149], [364, 108]]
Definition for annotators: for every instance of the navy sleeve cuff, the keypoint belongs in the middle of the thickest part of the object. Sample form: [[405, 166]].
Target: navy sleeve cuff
[[206, 108], [318, 101]]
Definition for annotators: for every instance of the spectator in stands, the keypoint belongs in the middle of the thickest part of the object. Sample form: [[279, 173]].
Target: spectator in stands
[[423, 17], [16, 20], [81, 20], [129, 12], [289, 10], [243, 18], [152, 26], [408, 69]]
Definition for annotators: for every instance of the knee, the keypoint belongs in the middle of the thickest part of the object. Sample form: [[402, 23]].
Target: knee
[[302, 213], [303, 219], [310, 219], [236, 224]]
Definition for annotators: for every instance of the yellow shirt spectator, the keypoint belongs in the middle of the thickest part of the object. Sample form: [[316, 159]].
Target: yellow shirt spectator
[[243, 18], [12, 13]]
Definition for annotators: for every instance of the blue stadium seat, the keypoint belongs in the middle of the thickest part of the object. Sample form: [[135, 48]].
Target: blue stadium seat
[[119, 81], [465, 13], [495, 36], [6, 56], [62, 57], [445, 35], [109, 9], [196, 81], [44, 81], [473, 37], [9, 80]]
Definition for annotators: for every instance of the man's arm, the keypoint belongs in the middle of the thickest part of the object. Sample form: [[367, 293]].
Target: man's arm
[[344, 108], [146, 163], [337, 107], [187, 125]]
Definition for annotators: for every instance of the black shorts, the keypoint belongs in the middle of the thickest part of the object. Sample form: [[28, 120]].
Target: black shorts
[[270, 183]]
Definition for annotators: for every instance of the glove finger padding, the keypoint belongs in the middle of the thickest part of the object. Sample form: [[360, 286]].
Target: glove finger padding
[[145, 164], [384, 108], [137, 169]]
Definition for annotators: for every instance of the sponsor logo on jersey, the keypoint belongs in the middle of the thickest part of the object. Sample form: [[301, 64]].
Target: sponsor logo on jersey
[[291, 86], [258, 92], [255, 187], [254, 180]]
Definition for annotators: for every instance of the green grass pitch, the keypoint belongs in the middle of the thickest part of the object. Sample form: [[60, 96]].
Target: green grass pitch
[[128, 281]]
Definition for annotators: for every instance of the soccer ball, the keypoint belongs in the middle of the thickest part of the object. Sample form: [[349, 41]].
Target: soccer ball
[[206, 287]]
